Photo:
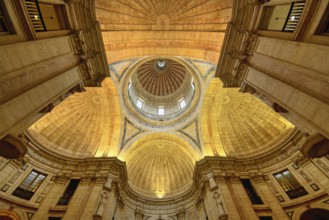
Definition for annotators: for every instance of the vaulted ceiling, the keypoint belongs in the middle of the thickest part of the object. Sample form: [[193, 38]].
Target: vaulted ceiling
[[190, 28]]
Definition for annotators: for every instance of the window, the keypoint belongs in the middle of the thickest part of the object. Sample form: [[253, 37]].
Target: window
[[161, 110], [324, 23], [181, 103], [30, 185], [64, 200], [6, 27], [161, 64], [290, 185], [140, 103], [283, 17], [47, 17], [253, 196]]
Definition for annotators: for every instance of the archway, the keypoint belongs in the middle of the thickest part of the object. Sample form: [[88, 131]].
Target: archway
[[8, 215], [315, 214]]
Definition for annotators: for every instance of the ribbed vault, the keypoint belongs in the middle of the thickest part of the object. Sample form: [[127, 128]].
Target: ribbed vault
[[238, 124], [160, 165], [86, 124], [161, 83]]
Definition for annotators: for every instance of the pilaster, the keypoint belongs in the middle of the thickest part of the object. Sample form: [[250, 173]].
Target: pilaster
[[52, 197], [269, 198], [241, 199]]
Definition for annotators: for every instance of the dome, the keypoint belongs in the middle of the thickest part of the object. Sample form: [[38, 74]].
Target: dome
[[159, 91], [87, 124], [237, 124], [160, 165], [161, 77]]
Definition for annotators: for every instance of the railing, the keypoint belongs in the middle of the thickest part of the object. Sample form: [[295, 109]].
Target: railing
[[35, 15], [295, 12]]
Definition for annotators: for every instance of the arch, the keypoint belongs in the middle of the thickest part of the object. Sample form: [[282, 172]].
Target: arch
[[159, 165], [6, 214], [315, 214]]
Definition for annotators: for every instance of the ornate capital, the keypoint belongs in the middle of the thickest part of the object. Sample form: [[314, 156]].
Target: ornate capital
[[233, 179], [219, 179], [61, 179], [258, 179]]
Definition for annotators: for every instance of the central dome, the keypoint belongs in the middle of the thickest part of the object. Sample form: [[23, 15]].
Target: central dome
[[161, 77], [161, 92]]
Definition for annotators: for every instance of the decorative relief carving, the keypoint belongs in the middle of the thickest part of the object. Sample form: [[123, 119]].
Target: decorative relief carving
[[219, 179], [273, 188], [15, 177], [302, 161], [101, 204], [303, 174], [233, 179], [246, 88], [139, 214], [258, 179], [62, 179], [219, 203], [323, 165]]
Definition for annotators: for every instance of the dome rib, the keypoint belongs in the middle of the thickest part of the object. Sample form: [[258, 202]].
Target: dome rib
[[161, 82]]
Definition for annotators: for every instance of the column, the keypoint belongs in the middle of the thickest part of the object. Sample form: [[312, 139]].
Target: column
[[52, 198], [111, 202], [96, 199], [228, 201], [240, 198], [79, 200], [269, 198], [214, 200], [103, 198]]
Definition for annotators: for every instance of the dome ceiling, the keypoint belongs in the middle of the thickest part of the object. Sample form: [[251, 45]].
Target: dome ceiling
[[86, 124], [160, 165], [161, 80], [238, 124], [188, 28]]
